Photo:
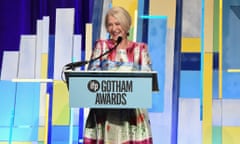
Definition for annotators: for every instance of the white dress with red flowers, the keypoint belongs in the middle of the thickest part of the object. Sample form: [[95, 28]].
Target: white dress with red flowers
[[119, 126]]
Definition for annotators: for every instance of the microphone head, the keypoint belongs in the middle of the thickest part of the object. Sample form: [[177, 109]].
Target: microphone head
[[119, 40]]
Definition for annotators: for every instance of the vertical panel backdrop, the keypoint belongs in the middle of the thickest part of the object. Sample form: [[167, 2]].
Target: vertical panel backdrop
[[199, 81], [20, 17]]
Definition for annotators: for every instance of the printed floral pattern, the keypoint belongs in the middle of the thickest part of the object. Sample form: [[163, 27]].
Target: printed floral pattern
[[119, 126]]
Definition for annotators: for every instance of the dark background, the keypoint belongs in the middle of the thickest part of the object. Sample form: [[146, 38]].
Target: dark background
[[20, 17]]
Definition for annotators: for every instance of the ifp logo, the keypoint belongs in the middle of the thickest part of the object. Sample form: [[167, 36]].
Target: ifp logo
[[93, 85]]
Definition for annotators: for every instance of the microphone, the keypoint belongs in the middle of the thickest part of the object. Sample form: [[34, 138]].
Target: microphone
[[73, 65]]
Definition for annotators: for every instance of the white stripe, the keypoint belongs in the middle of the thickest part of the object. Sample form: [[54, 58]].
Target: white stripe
[[32, 80]]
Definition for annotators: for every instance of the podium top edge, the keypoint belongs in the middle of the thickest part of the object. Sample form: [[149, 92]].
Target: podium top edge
[[136, 74], [87, 71], [111, 73]]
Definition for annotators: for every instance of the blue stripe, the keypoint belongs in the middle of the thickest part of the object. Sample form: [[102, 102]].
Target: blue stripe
[[193, 61], [81, 124], [190, 84], [202, 61], [7, 109], [95, 16], [19, 111], [11, 126], [50, 85], [50, 92], [27, 104], [190, 61], [60, 133], [145, 22], [231, 85], [157, 49], [12, 114], [77, 17], [139, 20], [96, 20], [176, 72]]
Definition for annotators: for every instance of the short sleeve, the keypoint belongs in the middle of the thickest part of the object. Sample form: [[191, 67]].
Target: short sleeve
[[97, 51]]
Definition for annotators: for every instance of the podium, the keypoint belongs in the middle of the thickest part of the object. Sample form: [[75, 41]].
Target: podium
[[111, 89]]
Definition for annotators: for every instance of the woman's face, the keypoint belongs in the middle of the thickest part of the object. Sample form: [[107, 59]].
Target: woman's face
[[115, 29]]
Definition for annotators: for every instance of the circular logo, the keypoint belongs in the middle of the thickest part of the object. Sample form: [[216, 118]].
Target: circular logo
[[93, 85]]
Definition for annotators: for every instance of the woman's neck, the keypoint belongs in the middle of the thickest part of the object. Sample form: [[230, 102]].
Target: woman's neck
[[124, 44]]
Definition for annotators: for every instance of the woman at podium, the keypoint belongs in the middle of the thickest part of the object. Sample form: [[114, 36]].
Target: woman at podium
[[118, 126]]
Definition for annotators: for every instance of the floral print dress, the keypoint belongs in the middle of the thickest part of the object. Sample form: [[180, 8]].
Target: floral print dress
[[119, 126]]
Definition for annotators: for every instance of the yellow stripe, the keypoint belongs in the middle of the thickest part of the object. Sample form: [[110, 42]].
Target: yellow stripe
[[129, 5], [230, 135], [46, 120], [191, 45], [208, 26], [41, 133], [44, 102], [61, 110], [207, 98], [220, 50], [207, 72], [44, 65], [88, 41], [165, 8]]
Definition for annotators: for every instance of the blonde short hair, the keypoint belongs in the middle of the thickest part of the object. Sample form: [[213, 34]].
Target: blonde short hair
[[121, 15]]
